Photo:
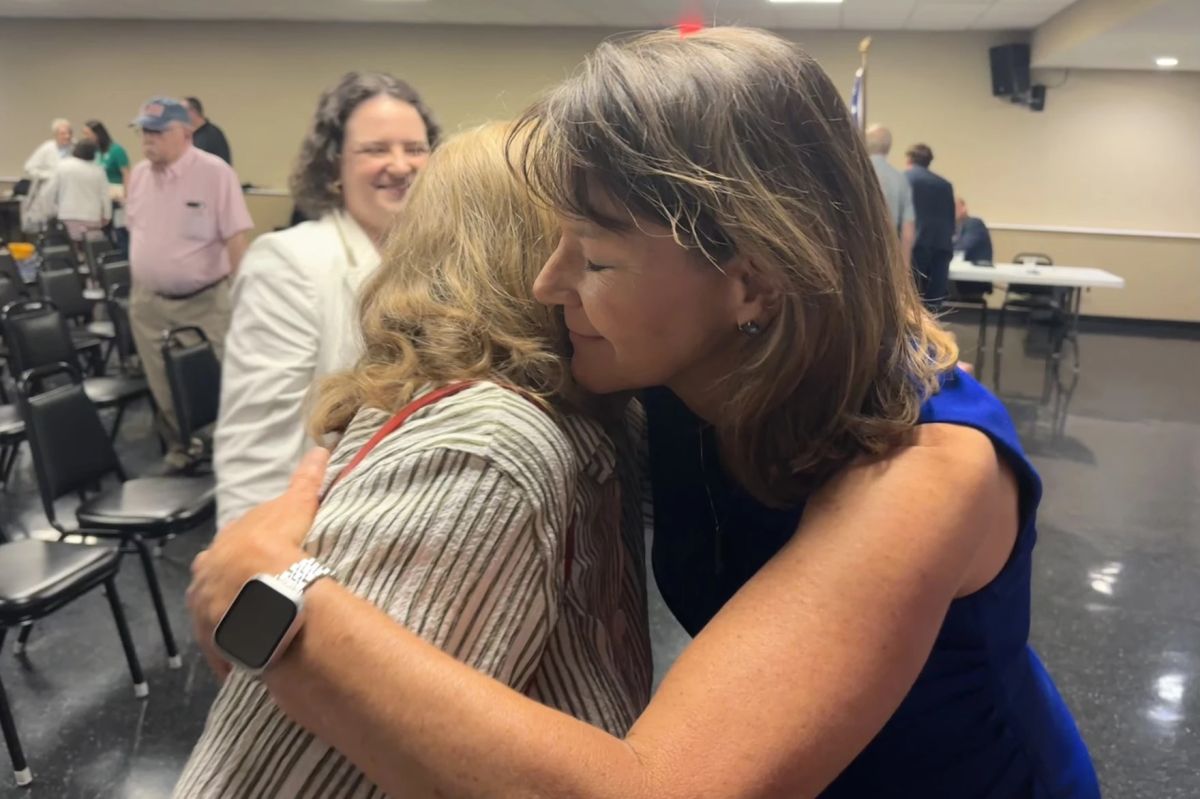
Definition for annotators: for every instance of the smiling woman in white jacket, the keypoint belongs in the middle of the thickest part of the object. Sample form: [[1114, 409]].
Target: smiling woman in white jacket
[[295, 298]]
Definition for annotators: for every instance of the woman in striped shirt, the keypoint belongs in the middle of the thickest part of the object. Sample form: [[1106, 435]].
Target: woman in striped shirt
[[498, 522]]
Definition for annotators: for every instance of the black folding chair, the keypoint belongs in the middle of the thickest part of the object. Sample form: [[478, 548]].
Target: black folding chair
[[113, 269], [1047, 304], [118, 311], [36, 579], [194, 375], [37, 336], [971, 294], [95, 245], [64, 288], [55, 240], [8, 269], [72, 454]]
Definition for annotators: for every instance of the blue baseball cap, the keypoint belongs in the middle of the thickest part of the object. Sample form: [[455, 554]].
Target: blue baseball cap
[[159, 112]]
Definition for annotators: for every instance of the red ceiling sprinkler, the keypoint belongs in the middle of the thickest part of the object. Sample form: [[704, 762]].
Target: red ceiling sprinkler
[[692, 23]]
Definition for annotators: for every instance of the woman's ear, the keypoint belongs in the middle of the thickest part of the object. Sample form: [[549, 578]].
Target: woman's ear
[[755, 299]]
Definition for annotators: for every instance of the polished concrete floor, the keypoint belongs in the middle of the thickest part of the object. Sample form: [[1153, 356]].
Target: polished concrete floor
[[1116, 604]]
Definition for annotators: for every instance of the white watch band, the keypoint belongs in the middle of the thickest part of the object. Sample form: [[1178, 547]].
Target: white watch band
[[301, 574]]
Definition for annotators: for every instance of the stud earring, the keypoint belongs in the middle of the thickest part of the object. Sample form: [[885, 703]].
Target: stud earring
[[750, 328]]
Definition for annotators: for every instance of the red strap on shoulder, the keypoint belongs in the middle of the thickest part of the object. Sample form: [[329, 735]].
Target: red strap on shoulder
[[393, 424], [402, 416]]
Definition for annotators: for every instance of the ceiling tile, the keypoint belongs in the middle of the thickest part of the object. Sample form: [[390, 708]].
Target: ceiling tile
[[946, 16], [868, 14]]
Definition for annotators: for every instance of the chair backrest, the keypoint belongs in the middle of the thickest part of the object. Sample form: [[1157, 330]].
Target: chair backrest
[[194, 375], [8, 269], [59, 260], [9, 292], [113, 271], [52, 245], [1039, 258], [64, 288], [71, 449], [93, 248], [37, 336], [54, 234], [118, 312]]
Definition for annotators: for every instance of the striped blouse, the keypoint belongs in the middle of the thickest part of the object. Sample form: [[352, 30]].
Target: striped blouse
[[456, 525]]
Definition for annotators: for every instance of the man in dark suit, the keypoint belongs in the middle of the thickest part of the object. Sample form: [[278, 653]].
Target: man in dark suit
[[972, 237], [933, 199]]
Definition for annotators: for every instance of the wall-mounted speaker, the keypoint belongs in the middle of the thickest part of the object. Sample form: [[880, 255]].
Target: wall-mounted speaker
[[1010, 69]]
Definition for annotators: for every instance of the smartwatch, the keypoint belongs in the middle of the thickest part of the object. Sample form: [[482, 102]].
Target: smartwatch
[[266, 615]]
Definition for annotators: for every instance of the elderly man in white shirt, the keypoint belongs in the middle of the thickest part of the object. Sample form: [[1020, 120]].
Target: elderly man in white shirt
[[78, 193], [295, 316], [40, 169]]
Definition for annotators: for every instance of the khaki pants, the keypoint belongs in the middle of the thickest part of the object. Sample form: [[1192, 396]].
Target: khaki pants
[[150, 314]]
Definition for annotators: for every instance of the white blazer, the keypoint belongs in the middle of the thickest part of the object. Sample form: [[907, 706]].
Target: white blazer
[[295, 319], [40, 168]]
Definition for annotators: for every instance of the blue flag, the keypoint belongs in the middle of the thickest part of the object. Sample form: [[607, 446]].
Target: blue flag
[[857, 111]]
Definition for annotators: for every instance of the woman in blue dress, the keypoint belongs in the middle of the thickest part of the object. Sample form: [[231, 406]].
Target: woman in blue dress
[[843, 519]]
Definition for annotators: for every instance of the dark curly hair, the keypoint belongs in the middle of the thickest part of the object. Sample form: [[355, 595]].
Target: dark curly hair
[[318, 166]]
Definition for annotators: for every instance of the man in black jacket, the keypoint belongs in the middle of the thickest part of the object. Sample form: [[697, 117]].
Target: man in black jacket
[[933, 199], [205, 135]]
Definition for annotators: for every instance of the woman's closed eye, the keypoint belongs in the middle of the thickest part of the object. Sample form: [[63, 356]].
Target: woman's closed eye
[[592, 266]]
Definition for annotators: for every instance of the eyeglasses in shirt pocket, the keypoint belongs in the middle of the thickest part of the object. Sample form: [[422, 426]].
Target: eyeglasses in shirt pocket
[[199, 224]]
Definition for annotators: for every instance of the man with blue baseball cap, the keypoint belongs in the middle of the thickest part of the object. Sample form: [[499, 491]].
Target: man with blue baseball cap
[[188, 229]]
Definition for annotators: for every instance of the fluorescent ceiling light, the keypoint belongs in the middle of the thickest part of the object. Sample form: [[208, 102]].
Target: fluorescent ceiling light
[[1167, 61]]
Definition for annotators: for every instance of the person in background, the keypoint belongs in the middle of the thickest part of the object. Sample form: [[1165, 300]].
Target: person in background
[[896, 189], [78, 193], [115, 162], [971, 235], [111, 156], [39, 169], [188, 228], [933, 199], [205, 135], [295, 315]]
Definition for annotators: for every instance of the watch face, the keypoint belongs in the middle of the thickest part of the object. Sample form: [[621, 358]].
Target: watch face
[[255, 624]]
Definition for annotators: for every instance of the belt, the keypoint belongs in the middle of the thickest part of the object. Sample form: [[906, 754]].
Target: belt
[[191, 294]]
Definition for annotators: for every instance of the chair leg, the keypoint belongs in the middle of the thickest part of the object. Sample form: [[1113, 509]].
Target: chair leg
[[23, 637], [160, 608], [981, 346], [998, 347], [15, 752], [8, 459], [140, 689], [116, 428]]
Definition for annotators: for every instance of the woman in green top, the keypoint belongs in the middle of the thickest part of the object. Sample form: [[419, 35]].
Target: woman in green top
[[109, 155], [113, 159]]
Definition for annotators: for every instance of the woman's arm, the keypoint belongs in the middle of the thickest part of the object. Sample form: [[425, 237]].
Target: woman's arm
[[751, 709], [268, 368]]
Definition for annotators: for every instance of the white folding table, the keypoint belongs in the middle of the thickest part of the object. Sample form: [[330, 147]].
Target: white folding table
[[1073, 278]]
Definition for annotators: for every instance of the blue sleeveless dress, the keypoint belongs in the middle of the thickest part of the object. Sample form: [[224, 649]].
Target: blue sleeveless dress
[[983, 720]]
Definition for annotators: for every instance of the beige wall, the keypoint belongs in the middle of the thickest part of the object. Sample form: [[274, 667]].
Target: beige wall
[[1113, 149], [1162, 276]]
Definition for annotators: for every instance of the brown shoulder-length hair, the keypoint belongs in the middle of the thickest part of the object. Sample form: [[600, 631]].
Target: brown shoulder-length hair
[[453, 299], [737, 141], [313, 182]]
